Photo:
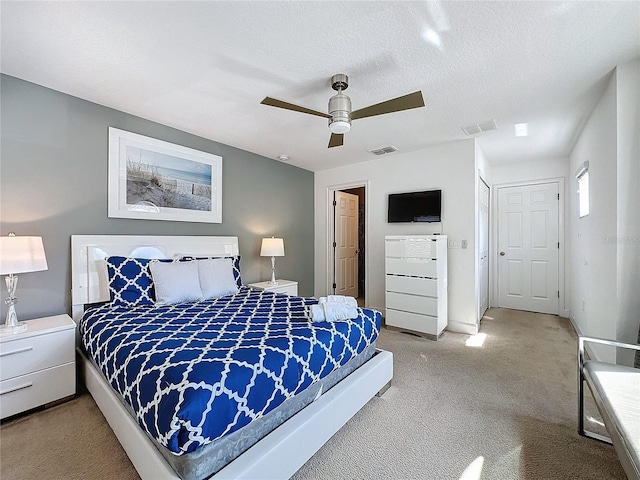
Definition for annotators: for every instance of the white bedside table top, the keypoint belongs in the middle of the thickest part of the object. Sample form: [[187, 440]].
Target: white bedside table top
[[40, 326], [267, 284]]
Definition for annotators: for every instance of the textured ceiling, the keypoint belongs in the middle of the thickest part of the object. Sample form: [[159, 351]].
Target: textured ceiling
[[204, 67]]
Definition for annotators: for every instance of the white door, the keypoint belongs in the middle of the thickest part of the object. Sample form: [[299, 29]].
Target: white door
[[346, 244], [483, 247], [528, 248]]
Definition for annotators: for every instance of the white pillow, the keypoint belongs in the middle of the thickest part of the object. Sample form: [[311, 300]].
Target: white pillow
[[175, 282], [216, 277]]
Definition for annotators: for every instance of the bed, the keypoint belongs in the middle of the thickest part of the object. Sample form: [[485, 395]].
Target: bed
[[320, 382]]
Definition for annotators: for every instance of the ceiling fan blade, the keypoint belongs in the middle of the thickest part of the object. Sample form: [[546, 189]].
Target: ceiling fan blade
[[336, 140], [290, 106], [406, 102]]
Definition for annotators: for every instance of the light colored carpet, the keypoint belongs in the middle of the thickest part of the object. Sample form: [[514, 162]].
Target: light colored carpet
[[505, 410]]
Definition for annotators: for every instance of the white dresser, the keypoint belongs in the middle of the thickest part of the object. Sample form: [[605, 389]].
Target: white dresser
[[37, 366], [416, 283]]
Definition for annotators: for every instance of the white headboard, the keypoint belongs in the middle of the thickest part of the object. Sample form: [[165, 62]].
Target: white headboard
[[89, 283]]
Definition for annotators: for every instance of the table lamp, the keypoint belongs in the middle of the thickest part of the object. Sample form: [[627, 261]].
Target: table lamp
[[18, 255], [272, 247]]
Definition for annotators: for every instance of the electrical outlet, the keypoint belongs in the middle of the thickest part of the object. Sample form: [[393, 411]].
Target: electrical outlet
[[464, 244]]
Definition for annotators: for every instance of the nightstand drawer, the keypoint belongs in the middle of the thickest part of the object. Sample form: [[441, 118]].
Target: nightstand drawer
[[29, 391], [26, 355], [286, 289]]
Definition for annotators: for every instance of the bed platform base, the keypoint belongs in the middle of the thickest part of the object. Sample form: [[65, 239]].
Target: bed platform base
[[278, 455]]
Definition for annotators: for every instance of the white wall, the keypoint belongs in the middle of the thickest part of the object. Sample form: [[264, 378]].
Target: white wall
[[483, 166], [534, 171], [450, 167], [628, 208], [541, 169], [593, 261], [606, 243]]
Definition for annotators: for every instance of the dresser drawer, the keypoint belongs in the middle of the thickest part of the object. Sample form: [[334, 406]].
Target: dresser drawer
[[28, 391], [412, 303], [416, 248], [26, 355], [412, 321], [414, 285], [418, 267]]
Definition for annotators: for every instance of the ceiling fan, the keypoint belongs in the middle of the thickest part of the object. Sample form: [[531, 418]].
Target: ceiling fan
[[340, 114]]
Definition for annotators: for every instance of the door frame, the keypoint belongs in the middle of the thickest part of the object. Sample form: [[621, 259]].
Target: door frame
[[493, 245], [331, 233]]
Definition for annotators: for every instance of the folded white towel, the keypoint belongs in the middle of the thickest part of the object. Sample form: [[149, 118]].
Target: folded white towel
[[331, 311], [349, 301], [316, 312], [338, 311]]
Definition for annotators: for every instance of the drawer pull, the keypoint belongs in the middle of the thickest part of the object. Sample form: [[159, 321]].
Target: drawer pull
[[19, 387], [13, 352]]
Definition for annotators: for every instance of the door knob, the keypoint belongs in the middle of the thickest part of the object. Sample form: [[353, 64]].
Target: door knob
[[502, 254]]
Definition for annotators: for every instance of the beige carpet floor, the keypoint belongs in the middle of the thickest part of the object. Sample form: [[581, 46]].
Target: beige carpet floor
[[503, 410]]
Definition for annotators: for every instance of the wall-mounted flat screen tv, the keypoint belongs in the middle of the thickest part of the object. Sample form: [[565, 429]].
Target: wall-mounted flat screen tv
[[415, 206]]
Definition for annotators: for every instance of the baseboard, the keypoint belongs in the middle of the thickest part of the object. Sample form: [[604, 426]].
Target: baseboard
[[575, 326], [460, 327]]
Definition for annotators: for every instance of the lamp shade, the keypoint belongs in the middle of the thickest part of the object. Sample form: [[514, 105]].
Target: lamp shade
[[21, 255], [272, 247]]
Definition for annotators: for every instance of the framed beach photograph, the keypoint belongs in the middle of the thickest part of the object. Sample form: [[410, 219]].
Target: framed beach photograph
[[155, 180]]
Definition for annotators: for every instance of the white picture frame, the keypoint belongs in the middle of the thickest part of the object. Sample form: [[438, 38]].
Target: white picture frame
[[151, 179]]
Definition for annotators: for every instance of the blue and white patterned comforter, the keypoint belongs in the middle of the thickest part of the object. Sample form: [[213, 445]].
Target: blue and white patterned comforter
[[193, 372]]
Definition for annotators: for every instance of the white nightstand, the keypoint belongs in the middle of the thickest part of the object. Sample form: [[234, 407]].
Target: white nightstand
[[288, 287], [37, 366]]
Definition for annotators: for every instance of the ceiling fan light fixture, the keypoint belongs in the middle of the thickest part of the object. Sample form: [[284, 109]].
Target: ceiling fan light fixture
[[339, 126]]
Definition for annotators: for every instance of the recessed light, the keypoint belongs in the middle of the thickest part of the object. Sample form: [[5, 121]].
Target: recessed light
[[283, 158], [522, 129]]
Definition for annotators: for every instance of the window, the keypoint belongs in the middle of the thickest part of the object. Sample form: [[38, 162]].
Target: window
[[583, 190]]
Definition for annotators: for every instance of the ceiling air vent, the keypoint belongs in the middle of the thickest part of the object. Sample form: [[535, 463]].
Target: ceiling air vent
[[480, 127], [384, 150]]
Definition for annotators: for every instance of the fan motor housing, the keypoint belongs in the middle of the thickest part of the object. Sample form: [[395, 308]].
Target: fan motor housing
[[340, 109]]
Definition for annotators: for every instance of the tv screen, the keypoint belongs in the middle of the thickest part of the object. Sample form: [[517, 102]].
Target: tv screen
[[415, 206]]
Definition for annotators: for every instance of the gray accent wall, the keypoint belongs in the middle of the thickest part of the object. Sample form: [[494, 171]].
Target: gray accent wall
[[53, 183]]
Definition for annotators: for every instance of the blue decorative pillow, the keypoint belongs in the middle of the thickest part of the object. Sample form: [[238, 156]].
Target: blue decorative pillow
[[235, 262], [130, 282], [236, 270]]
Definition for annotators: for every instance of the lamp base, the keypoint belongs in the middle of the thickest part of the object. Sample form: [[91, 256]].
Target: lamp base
[[273, 280], [12, 330], [12, 325]]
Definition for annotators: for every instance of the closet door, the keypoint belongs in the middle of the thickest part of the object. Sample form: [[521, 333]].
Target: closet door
[[483, 247]]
